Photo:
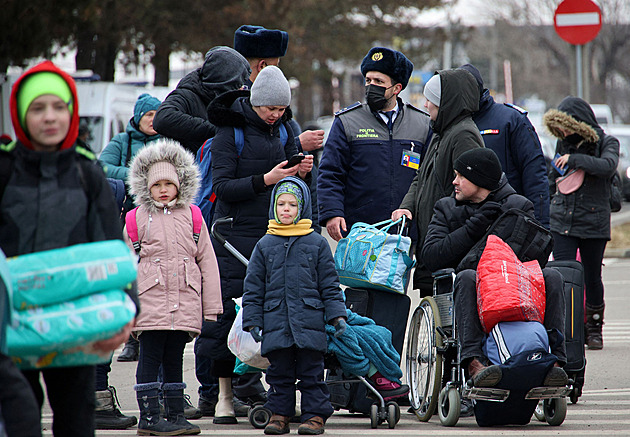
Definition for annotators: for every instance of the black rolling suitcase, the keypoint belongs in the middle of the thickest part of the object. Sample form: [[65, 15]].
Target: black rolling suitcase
[[390, 310], [573, 274]]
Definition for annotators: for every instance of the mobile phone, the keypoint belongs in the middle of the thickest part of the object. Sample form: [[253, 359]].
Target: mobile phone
[[562, 171], [294, 160]]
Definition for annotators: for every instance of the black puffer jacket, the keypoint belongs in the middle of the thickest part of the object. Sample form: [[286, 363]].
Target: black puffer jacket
[[238, 180], [183, 114], [449, 237], [585, 213]]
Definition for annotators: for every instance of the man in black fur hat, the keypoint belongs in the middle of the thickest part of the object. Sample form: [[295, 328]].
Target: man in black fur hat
[[373, 149]]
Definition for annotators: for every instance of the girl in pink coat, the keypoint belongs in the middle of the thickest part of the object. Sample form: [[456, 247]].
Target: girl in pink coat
[[178, 280]]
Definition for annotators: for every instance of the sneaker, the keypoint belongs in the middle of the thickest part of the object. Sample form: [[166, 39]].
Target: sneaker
[[277, 425], [206, 407], [484, 376], [388, 389], [556, 377], [467, 408], [190, 412], [312, 426]]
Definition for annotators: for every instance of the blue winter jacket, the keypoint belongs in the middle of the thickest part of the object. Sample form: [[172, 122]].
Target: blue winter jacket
[[360, 176], [291, 288], [507, 130]]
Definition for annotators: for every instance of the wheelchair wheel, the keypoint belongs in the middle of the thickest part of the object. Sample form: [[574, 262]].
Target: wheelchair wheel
[[539, 412], [555, 410], [259, 416], [424, 364], [449, 406], [393, 414]]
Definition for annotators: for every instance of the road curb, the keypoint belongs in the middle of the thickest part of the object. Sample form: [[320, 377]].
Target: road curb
[[617, 252]]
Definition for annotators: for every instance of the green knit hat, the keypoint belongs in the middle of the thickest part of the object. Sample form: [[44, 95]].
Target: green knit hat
[[40, 84], [290, 188]]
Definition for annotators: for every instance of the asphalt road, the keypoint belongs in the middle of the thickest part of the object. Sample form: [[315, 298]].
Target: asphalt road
[[603, 409]]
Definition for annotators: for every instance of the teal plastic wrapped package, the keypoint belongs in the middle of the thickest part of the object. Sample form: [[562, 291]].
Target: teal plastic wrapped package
[[61, 335], [60, 275]]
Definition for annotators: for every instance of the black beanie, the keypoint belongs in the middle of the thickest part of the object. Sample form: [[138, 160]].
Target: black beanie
[[481, 167], [258, 42]]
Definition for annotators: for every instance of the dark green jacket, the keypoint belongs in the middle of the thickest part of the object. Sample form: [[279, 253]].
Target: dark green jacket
[[455, 132]]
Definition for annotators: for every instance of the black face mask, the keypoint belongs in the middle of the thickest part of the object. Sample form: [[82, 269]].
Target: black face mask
[[375, 97], [573, 139]]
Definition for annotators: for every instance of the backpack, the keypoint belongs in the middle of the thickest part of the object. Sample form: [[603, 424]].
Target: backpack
[[132, 226], [528, 239], [206, 197]]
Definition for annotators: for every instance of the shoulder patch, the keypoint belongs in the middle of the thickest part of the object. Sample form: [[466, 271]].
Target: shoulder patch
[[355, 105], [518, 108], [409, 105]]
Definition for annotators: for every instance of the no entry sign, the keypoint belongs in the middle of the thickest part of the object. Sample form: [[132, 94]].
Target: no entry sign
[[577, 21]]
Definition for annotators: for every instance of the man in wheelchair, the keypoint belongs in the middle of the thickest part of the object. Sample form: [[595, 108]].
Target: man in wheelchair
[[482, 194]]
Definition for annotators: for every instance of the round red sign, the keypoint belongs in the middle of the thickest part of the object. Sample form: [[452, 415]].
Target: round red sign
[[577, 21]]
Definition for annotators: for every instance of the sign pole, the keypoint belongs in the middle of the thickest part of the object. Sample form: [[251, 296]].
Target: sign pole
[[579, 66]]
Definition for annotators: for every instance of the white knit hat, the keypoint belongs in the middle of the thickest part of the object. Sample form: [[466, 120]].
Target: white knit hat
[[271, 88], [433, 90], [162, 170]]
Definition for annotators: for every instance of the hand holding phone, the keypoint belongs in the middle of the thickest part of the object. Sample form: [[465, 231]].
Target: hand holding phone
[[294, 160], [562, 171]]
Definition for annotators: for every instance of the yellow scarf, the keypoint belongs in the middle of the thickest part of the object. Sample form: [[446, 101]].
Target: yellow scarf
[[303, 227]]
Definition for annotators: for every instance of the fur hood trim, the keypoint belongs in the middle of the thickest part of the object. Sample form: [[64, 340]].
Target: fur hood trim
[[172, 152], [555, 119]]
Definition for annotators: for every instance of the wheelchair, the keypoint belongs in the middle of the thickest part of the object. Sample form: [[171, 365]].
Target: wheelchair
[[433, 367]]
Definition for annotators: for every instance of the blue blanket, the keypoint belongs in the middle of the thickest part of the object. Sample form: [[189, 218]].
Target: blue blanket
[[362, 343]]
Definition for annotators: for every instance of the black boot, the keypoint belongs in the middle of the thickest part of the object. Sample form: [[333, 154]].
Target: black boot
[[594, 322], [174, 405], [130, 351], [107, 415], [151, 423]]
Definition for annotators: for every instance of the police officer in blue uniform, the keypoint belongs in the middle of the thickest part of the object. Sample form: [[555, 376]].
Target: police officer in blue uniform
[[373, 149], [506, 129]]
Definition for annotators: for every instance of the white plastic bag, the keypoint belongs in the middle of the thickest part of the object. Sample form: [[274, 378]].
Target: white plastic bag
[[243, 345]]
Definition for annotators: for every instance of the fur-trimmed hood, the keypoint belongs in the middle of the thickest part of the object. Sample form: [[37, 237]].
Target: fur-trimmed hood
[[172, 152], [576, 115]]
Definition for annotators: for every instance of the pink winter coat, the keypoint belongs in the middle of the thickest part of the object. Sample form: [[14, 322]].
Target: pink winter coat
[[178, 280]]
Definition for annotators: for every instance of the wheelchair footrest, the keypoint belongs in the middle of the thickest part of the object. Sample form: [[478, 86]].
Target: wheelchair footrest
[[486, 393], [548, 392]]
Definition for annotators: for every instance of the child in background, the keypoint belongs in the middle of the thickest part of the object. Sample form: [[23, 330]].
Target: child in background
[[178, 280], [291, 289]]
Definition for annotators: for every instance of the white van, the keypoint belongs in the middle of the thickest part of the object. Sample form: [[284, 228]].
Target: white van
[[603, 114]]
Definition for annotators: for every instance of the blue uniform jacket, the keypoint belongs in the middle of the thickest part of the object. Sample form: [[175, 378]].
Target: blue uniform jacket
[[507, 130], [360, 176], [292, 288]]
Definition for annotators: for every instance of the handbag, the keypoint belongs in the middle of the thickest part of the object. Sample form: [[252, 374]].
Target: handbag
[[508, 290], [570, 182], [370, 257]]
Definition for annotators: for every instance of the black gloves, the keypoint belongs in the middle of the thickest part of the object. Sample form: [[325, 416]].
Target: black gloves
[[479, 223], [340, 326], [256, 335]]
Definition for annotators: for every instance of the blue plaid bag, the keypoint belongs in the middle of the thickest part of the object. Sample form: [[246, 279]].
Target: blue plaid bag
[[370, 257]]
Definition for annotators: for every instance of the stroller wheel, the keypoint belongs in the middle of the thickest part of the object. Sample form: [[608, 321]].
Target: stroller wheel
[[259, 416], [374, 416]]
